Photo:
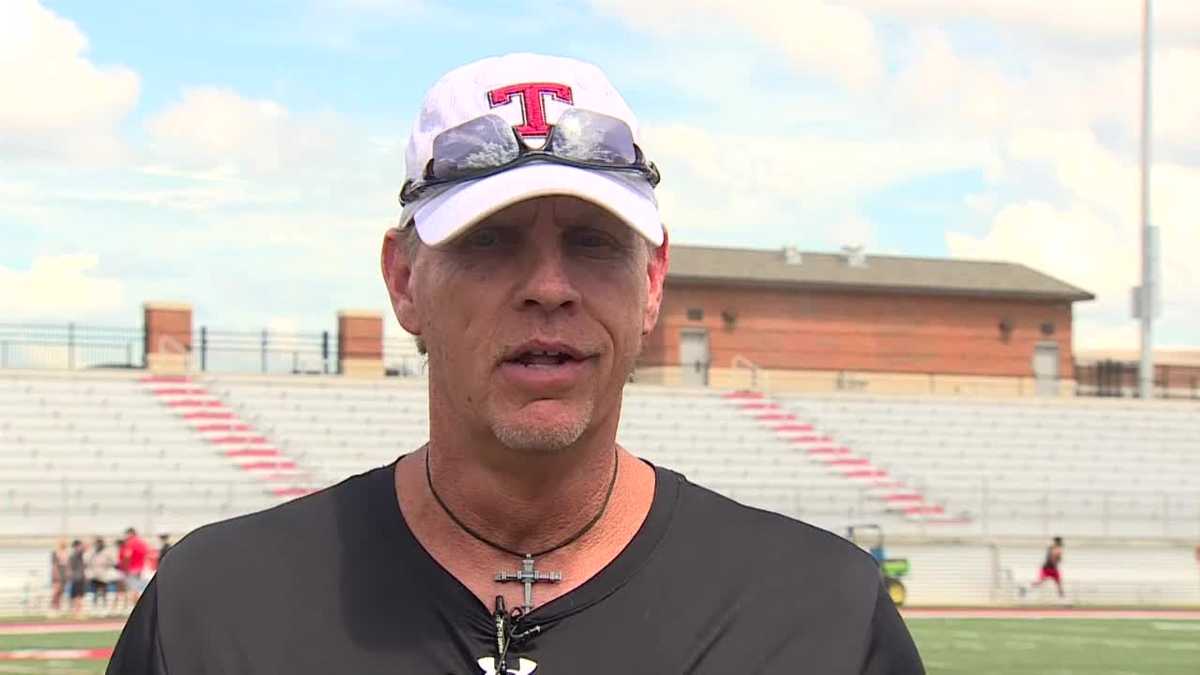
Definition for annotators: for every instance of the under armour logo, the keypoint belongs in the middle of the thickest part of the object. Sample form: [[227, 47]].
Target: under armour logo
[[533, 110], [524, 667]]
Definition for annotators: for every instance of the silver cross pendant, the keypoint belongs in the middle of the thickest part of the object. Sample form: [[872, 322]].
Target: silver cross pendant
[[529, 575]]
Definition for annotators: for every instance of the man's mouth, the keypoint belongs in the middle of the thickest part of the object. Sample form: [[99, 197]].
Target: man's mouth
[[543, 359], [535, 355]]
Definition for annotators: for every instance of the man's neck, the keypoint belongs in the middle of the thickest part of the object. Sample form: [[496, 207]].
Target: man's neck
[[522, 499], [531, 525]]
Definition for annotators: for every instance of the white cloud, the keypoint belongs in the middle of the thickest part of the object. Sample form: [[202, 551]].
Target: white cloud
[[818, 37], [216, 148], [216, 128], [246, 202], [1091, 20], [856, 230], [1175, 107], [386, 7], [1049, 238], [1091, 238], [59, 286], [1063, 189], [1086, 171], [988, 97], [729, 181], [938, 88], [57, 103]]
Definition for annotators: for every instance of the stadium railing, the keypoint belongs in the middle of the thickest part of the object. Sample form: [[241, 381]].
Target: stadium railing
[[81, 503], [1120, 379], [74, 346], [70, 346]]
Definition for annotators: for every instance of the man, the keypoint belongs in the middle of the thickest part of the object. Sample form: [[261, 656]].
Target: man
[[77, 577], [59, 579], [164, 545], [1050, 565], [133, 563], [520, 538], [102, 570]]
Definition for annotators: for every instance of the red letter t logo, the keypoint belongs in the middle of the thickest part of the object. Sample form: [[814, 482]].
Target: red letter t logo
[[531, 103]]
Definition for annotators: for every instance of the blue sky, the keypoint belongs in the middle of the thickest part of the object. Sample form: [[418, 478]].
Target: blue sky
[[245, 157]]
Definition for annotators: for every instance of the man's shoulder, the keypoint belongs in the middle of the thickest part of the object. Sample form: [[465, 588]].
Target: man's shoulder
[[294, 529], [254, 572], [758, 534]]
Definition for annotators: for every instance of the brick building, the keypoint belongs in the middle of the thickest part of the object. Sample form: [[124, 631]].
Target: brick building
[[785, 320]]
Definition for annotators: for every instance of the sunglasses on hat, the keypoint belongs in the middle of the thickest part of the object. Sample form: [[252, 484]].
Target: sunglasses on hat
[[487, 145]]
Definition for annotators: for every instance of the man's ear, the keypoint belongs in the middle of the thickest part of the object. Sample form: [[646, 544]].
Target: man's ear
[[656, 270], [397, 267]]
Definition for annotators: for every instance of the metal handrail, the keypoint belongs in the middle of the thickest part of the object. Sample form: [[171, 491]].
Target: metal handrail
[[739, 361]]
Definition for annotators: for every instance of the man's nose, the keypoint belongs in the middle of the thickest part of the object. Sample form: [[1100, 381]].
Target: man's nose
[[547, 283]]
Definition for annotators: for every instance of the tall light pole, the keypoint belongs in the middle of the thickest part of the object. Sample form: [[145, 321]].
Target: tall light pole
[[1148, 293]]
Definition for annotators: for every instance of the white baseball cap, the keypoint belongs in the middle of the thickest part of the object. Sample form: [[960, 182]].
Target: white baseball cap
[[529, 91]]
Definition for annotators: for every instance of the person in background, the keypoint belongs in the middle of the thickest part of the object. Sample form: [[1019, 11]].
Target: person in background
[[133, 559], [1198, 557], [101, 570], [1050, 565], [90, 563], [59, 578], [117, 585], [76, 577], [154, 556], [164, 545]]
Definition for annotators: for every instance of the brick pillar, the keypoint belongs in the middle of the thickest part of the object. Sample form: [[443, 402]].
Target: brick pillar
[[360, 343], [167, 332]]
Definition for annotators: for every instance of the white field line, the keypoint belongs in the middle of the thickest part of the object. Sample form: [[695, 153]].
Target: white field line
[[1003, 613], [39, 628]]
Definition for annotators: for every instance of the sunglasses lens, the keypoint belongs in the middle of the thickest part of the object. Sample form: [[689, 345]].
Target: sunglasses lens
[[587, 136], [483, 143], [488, 144]]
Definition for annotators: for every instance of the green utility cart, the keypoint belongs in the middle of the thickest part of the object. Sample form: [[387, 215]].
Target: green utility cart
[[870, 537]]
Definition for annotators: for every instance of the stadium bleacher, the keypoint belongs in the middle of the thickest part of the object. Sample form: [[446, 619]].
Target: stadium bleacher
[[1028, 467], [336, 428], [86, 453]]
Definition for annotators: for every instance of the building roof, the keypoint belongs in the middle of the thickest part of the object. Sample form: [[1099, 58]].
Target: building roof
[[834, 271]]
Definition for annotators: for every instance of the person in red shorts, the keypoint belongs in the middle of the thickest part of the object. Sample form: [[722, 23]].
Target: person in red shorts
[[1050, 566]]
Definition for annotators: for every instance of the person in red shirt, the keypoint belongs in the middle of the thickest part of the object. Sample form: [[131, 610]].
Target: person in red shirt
[[133, 563]]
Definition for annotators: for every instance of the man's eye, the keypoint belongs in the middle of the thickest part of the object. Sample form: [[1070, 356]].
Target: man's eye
[[484, 237], [593, 241]]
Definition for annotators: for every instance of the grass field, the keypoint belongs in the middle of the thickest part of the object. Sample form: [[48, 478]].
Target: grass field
[[949, 647], [91, 640], [1058, 646]]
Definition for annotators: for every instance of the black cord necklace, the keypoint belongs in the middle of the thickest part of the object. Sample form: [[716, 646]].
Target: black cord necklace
[[528, 575], [612, 482]]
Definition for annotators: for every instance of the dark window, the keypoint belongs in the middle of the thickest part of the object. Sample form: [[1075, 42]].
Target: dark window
[[695, 314]]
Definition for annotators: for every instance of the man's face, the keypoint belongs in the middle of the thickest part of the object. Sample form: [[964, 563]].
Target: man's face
[[533, 319]]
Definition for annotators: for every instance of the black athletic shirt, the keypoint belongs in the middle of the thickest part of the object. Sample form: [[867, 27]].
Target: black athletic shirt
[[1051, 563], [335, 582]]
